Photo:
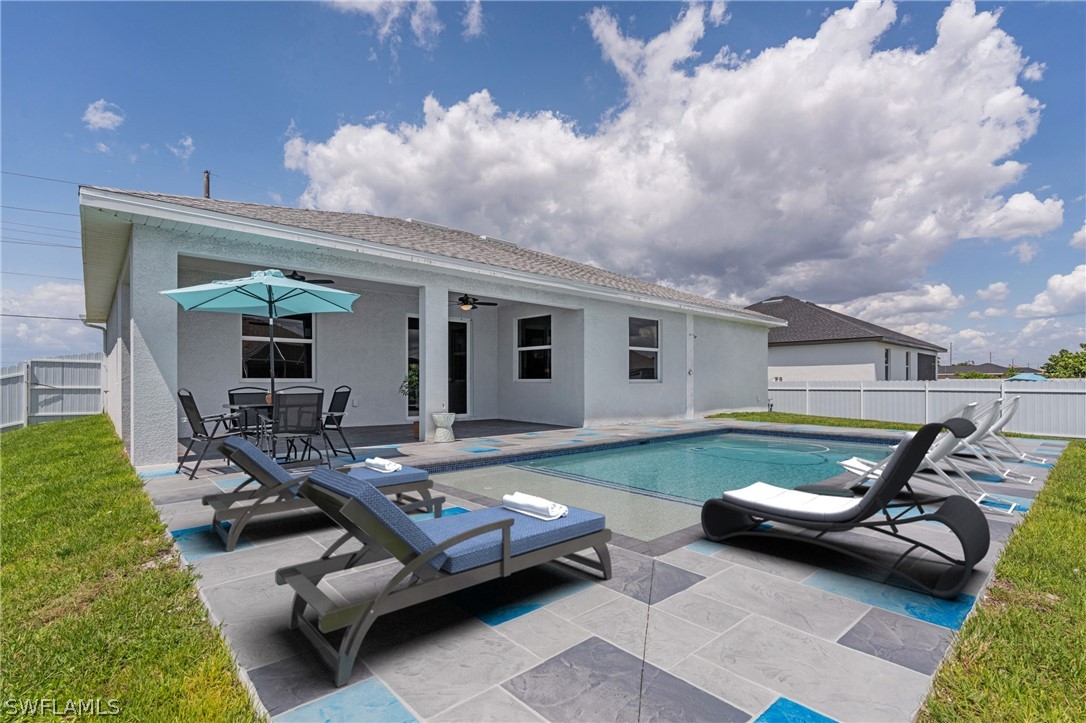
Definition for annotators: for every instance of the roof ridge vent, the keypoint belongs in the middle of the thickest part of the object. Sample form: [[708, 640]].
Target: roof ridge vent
[[498, 240], [430, 224]]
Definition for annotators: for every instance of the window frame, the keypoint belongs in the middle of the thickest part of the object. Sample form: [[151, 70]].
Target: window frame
[[656, 350], [908, 369], [311, 341], [886, 364], [547, 347]]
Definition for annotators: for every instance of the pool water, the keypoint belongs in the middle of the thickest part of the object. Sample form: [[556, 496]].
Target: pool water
[[696, 469]]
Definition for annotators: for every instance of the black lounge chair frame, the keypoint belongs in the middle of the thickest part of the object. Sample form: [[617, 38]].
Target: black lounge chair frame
[[416, 582], [724, 518], [281, 492]]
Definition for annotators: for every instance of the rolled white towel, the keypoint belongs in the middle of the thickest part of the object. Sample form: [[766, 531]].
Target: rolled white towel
[[383, 465], [534, 506]]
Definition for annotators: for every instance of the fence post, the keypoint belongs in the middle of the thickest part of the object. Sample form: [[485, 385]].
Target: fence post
[[927, 412], [807, 397], [26, 393], [862, 401]]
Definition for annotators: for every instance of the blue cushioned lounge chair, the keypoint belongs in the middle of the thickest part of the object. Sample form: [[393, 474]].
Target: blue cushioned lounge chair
[[270, 489], [743, 512], [439, 556]]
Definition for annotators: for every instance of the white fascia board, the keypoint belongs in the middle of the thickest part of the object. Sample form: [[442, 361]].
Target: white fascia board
[[132, 205]]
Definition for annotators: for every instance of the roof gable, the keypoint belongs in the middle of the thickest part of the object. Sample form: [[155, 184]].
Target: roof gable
[[811, 324]]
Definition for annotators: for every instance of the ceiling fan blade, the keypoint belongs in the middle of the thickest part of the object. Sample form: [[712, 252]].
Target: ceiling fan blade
[[486, 303], [295, 276]]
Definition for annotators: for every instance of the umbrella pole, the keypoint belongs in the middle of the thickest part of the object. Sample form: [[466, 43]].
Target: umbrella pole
[[271, 343]]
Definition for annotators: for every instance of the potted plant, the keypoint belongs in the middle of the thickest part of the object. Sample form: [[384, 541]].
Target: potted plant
[[409, 387]]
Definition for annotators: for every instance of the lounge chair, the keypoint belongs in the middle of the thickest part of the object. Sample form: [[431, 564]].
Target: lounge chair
[[940, 453], [438, 557], [743, 512], [276, 490], [974, 453], [998, 444]]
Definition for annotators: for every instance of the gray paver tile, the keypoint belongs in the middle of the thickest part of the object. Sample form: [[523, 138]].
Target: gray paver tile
[[782, 566], [724, 684], [496, 705], [702, 611], [912, 643], [266, 559], [695, 562], [819, 674], [621, 622], [645, 579], [296, 680], [581, 602], [670, 639], [792, 603], [543, 632]]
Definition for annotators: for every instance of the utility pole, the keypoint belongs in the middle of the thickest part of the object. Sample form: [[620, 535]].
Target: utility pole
[[207, 184]]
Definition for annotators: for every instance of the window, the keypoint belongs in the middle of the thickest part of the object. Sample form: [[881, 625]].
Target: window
[[293, 347], [534, 348], [908, 359], [886, 365], [412, 361], [644, 348]]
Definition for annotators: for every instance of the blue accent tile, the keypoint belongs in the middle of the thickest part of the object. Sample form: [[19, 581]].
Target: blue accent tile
[[506, 599], [480, 450], [368, 700], [445, 511], [197, 543], [1022, 502], [789, 711], [1042, 465], [947, 613], [705, 547], [171, 471], [989, 478]]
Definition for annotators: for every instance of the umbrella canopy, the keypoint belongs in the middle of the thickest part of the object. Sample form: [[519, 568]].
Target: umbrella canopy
[[1026, 378], [264, 293]]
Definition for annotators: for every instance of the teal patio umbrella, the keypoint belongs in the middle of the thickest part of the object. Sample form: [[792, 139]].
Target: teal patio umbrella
[[1027, 377], [264, 293]]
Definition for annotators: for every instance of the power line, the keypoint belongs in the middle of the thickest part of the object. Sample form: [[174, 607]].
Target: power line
[[40, 233], [24, 242], [41, 276], [41, 178], [33, 316], [39, 210], [48, 228]]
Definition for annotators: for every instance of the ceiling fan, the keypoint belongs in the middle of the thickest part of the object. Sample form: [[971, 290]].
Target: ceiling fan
[[467, 303], [295, 276]]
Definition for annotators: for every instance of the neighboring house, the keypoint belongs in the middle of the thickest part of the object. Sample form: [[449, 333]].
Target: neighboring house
[[988, 369], [566, 343], [822, 345]]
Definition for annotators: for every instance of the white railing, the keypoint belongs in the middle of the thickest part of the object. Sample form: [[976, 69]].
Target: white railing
[[44, 390], [1056, 407]]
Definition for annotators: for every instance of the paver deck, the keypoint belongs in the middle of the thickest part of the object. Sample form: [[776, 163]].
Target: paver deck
[[686, 629]]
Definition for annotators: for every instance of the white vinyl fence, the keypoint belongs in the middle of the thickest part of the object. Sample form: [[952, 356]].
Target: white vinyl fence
[[1056, 407], [45, 390]]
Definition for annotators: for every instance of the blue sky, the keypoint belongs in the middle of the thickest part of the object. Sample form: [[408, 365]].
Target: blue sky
[[919, 165]]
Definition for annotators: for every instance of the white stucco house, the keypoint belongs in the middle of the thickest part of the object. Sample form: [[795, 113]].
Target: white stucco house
[[564, 343], [820, 344]]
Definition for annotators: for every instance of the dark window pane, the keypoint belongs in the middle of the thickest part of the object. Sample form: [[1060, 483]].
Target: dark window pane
[[293, 361], [287, 327], [644, 332], [412, 358], [535, 364], [535, 331], [642, 364]]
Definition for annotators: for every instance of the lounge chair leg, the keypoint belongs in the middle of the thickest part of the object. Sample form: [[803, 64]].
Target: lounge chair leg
[[605, 559], [719, 521], [349, 647]]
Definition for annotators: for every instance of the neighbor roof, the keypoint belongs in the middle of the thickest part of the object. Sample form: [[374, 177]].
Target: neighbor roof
[[985, 368], [438, 240], [812, 324]]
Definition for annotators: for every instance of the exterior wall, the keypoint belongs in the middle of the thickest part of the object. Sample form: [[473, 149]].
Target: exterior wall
[[729, 359], [114, 344], [850, 361], [559, 400]]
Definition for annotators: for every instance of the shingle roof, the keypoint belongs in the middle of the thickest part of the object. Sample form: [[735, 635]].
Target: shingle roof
[[985, 368], [810, 324], [441, 241]]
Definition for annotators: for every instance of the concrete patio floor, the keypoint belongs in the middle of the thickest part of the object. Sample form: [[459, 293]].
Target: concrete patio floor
[[685, 630]]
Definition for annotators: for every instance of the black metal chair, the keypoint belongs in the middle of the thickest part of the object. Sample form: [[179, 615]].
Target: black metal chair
[[252, 401], [333, 419], [297, 416], [199, 423]]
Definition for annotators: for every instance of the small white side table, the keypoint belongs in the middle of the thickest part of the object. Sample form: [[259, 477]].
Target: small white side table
[[444, 422]]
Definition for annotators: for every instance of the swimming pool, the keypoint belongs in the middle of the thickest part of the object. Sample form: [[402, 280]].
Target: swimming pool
[[695, 469]]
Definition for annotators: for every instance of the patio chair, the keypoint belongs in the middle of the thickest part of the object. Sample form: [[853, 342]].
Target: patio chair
[[333, 419], [297, 413], [255, 403], [438, 557], [999, 444], [744, 511], [940, 453], [198, 424], [270, 489], [973, 451]]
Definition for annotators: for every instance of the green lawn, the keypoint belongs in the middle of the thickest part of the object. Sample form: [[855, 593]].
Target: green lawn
[[95, 603], [1020, 656]]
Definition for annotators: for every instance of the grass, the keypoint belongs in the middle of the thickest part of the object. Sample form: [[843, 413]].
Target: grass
[[95, 603], [1020, 655]]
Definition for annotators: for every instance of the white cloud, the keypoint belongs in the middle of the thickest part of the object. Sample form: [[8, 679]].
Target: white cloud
[[718, 13], [1040, 338], [184, 148], [473, 20], [102, 148], [1064, 295], [1078, 239], [989, 313], [103, 115], [1034, 71], [46, 336], [388, 14], [733, 172], [904, 307], [1026, 251], [996, 291]]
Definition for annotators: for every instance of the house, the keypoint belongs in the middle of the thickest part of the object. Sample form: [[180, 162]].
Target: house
[[564, 343], [823, 345], [995, 371]]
